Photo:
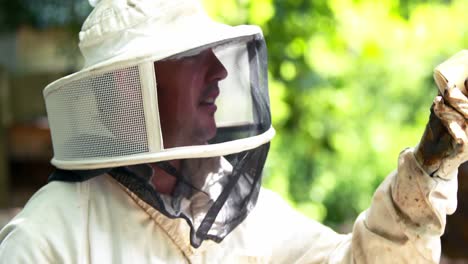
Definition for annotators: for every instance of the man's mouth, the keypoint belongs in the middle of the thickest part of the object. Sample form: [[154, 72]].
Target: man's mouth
[[209, 98], [210, 95]]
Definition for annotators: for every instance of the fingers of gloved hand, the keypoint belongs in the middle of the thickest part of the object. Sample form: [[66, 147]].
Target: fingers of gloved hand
[[448, 168], [452, 120], [455, 98]]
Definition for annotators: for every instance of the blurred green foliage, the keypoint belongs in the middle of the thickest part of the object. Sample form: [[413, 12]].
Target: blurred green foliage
[[43, 14], [351, 86]]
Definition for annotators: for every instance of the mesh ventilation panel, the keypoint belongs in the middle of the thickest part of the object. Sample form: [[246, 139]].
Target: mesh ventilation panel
[[98, 116]]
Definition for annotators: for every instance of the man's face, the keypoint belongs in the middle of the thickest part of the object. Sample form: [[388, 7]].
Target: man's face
[[187, 90]]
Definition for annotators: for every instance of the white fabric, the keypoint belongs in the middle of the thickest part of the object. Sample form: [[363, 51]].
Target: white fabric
[[99, 221], [141, 30], [453, 72], [93, 3]]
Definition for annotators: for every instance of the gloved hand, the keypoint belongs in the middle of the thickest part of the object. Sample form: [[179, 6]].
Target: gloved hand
[[444, 145]]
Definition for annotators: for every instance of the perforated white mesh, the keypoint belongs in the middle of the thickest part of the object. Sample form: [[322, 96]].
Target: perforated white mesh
[[98, 116]]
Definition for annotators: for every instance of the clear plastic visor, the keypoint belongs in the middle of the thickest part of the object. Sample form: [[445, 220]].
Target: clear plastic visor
[[213, 94]]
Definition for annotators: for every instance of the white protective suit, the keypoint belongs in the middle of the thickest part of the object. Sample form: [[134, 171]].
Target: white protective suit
[[109, 115], [100, 221]]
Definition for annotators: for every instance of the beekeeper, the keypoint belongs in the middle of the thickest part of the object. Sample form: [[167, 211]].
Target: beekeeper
[[160, 141]]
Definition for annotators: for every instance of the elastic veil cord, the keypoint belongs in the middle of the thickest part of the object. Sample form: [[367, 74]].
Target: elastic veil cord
[[168, 168]]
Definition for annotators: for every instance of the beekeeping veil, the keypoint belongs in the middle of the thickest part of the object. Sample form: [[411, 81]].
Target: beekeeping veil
[[164, 82]]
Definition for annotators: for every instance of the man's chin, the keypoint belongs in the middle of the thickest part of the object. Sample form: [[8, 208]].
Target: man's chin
[[206, 133]]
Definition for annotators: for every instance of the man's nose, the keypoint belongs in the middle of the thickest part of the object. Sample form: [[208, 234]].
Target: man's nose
[[217, 71]]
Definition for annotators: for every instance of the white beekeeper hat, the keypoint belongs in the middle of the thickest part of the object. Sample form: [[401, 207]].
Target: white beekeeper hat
[[121, 30], [106, 115]]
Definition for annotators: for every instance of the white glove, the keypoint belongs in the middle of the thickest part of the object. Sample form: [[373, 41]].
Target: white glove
[[444, 145]]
